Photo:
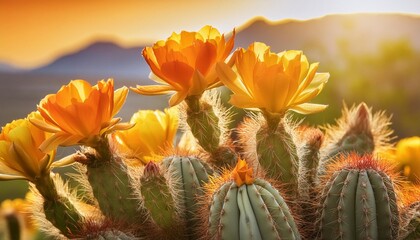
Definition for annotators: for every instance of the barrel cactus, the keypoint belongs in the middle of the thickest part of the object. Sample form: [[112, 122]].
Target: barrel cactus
[[359, 201], [246, 208]]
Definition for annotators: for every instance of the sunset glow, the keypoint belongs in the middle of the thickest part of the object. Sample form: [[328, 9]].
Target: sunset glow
[[34, 33]]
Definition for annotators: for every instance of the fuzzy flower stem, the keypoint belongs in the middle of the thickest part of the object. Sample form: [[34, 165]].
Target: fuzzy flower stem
[[277, 152], [273, 120], [193, 103], [103, 149], [204, 123], [58, 208], [45, 185]]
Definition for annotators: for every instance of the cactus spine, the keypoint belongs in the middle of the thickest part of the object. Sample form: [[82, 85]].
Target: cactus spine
[[359, 131]]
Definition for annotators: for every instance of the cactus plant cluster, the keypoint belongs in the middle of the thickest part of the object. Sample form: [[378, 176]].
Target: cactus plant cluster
[[268, 178]]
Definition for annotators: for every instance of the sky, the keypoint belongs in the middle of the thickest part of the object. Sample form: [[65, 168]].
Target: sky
[[33, 33]]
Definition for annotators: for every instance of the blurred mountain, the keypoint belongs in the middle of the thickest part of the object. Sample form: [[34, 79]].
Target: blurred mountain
[[101, 60], [322, 37], [7, 68], [319, 38]]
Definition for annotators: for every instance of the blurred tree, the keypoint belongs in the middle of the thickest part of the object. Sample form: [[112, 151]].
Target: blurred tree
[[387, 79]]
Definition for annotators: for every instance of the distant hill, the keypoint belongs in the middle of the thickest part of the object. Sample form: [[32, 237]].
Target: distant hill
[[318, 38], [100, 59], [7, 68]]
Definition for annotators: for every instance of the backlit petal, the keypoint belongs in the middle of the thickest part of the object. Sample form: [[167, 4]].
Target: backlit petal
[[176, 61], [153, 89], [308, 108], [272, 82]]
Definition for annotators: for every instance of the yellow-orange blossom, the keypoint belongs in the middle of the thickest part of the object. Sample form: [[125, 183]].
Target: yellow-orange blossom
[[80, 113], [242, 174], [273, 82], [185, 63], [153, 132], [20, 157]]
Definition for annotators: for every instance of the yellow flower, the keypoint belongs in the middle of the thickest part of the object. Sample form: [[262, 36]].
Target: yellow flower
[[407, 155], [185, 63], [80, 113], [153, 132], [273, 82], [17, 209], [20, 157], [242, 174]]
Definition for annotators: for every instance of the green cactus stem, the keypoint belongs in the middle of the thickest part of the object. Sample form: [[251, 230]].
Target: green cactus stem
[[204, 123], [308, 179], [277, 153], [187, 176], [357, 137], [157, 197], [58, 207], [359, 203], [208, 129], [254, 211], [308, 163], [111, 184]]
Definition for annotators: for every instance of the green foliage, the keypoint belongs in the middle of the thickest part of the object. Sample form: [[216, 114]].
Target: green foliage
[[386, 78]]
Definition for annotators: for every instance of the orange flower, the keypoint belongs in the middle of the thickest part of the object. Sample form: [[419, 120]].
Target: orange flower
[[80, 113], [185, 63], [273, 82], [20, 157], [242, 174]]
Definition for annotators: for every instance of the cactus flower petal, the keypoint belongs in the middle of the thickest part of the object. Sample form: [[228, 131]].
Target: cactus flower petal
[[185, 63], [20, 157], [80, 113], [273, 82], [242, 174]]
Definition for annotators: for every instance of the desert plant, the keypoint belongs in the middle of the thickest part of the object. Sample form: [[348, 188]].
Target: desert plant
[[135, 183]]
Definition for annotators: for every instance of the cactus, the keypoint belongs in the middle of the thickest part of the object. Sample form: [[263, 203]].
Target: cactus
[[269, 145], [249, 209], [159, 202], [358, 130], [359, 202], [207, 120], [117, 201], [187, 176]]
